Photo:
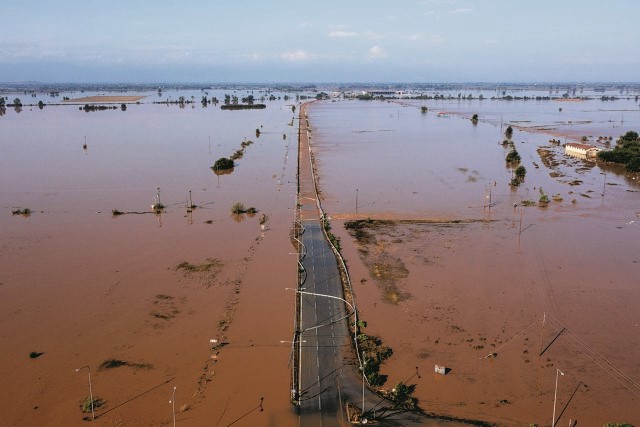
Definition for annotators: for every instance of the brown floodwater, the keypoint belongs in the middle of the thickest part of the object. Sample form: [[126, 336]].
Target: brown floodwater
[[82, 286], [507, 281]]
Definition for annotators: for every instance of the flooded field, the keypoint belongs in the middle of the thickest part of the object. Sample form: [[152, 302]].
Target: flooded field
[[451, 268], [138, 297]]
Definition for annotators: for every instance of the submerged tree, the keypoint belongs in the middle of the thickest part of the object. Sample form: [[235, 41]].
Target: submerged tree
[[513, 158], [544, 199], [626, 152], [222, 163], [519, 175], [402, 395], [509, 132]]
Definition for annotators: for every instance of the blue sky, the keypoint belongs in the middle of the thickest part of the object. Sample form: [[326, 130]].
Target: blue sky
[[319, 41]]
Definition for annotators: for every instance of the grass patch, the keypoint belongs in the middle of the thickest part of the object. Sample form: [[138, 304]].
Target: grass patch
[[35, 354], [86, 404]]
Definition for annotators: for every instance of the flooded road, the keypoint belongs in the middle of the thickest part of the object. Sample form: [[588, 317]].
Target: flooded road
[[139, 297]]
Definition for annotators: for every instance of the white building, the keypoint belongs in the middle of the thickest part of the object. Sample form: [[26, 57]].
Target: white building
[[583, 151]]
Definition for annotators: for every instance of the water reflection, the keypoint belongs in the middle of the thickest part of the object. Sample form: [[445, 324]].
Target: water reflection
[[220, 172], [238, 217]]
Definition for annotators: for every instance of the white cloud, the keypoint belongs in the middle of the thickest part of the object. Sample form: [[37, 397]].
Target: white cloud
[[414, 37], [376, 52], [296, 55], [342, 34], [461, 10]]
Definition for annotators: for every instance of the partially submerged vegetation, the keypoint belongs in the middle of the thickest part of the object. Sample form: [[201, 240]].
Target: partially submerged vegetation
[[208, 265], [626, 152], [508, 132], [116, 363], [513, 158], [373, 354], [23, 212], [89, 404], [518, 177], [93, 107], [238, 210], [243, 107], [223, 163], [335, 241], [543, 201]]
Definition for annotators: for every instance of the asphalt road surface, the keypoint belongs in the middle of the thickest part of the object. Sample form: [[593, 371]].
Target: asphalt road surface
[[329, 376]]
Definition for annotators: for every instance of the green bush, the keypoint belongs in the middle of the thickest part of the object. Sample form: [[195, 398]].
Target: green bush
[[402, 395], [509, 132], [238, 208], [626, 152], [223, 163], [544, 199], [513, 158], [520, 173]]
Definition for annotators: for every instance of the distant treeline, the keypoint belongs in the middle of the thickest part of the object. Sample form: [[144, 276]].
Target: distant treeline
[[370, 97], [91, 107], [243, 107]]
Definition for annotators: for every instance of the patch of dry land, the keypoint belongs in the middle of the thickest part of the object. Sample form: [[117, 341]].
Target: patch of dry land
[[105, 99]]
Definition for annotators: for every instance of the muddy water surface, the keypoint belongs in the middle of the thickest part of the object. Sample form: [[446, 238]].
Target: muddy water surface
[[485, 298], [83, 287]]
